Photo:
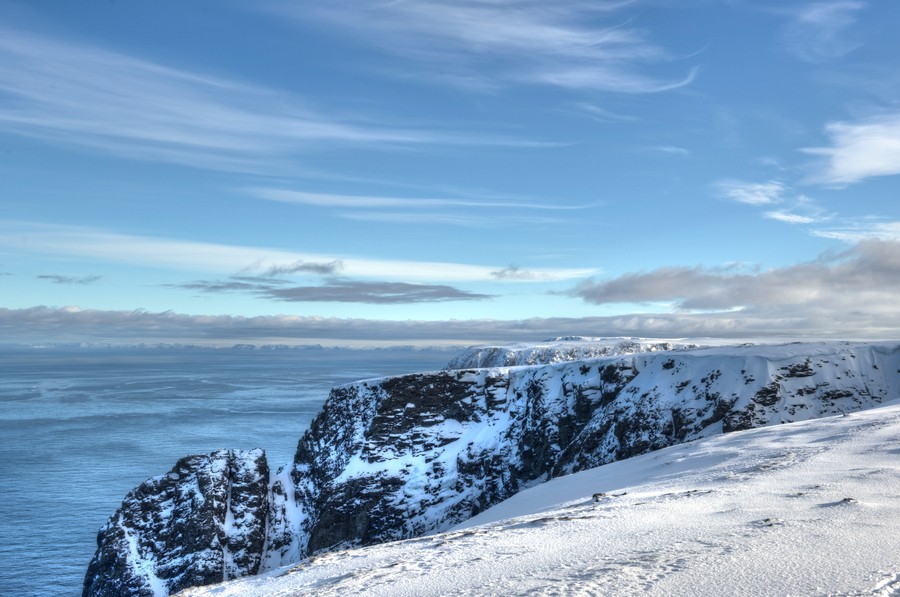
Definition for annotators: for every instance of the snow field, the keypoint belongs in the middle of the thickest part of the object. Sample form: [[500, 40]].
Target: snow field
[[804, 508]]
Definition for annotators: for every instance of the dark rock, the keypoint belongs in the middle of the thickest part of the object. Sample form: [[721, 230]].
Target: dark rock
[[201, 523]]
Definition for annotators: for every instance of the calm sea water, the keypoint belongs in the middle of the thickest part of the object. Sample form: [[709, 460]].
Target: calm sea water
[[79, 428]]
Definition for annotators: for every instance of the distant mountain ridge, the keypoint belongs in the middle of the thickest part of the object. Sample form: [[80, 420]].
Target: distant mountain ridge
[[398, 457], [242, 347], [557, 350]]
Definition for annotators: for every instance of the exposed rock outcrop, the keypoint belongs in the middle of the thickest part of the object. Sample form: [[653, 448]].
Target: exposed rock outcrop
[[202, 522], [398, 457]]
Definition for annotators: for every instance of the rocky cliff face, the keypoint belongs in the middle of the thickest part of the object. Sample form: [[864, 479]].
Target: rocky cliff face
[[201, 523], [397, 457]]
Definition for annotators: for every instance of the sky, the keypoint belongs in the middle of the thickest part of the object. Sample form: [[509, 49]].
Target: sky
[[461, 171]]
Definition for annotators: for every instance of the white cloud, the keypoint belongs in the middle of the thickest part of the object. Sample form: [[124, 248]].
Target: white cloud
[[76, 94], [752, 193], [601, 114], [475, 213], [375, 202], [797, 209], [672, 150], [73, 324], [818, 30], [225, 259], [789, 217], [610, 79], [864, 278], [453, 218], [512, 42], [514, 272], [804, 211], [860, 150], [861, 230]]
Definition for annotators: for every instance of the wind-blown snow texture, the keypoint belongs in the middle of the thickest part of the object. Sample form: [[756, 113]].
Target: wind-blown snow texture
[[808, 508], [203, 522], [400, 457]]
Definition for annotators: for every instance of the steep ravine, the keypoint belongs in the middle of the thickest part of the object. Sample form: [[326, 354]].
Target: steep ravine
[[398, 457]]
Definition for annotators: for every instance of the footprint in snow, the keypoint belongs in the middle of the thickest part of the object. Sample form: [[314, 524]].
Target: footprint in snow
[[847, 501], [769, 522]]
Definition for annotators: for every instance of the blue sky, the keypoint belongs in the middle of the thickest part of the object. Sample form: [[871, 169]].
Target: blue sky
[[467, 170]]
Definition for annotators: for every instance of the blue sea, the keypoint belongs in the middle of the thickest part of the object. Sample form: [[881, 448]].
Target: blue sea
[[80, 427]]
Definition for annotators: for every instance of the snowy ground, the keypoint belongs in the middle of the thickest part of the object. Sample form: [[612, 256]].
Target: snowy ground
[[809, 508]]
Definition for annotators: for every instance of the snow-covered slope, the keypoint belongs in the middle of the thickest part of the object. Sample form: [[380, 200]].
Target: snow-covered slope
[[400, 457], [558, 350], [808, 508]]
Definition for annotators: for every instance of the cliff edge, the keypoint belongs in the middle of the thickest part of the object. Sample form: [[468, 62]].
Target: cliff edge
[[398, 457]]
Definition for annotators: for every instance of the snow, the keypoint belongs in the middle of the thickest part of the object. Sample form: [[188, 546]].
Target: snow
[[292, 516], [228, 527], [559, 350], [143, 566], [811, 507], [661, 398]]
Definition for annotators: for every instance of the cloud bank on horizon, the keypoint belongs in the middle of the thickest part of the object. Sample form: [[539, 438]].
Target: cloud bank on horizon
[[846, 295], [450, 171]]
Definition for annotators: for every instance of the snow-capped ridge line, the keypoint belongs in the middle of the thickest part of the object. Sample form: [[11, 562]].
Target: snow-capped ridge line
[[400, 457], [558, 350]]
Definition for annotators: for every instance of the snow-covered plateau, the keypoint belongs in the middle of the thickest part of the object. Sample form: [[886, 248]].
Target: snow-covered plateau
[[558, 350], [412, 465]]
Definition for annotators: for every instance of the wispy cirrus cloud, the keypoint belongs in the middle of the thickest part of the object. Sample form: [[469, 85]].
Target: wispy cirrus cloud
[[470, 212], [796, 209], [819, 31], [861, 149], [483, 44], [862, 229], [671, 150], [789, 217], [601, 114], [75, 94], [374, 202], [786, 206], [752, 193], [803, 211], [181, 255], [451, 218]]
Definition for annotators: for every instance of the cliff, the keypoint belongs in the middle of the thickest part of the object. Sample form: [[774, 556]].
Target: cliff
[[557, 350], [398, 457], [202, 522]]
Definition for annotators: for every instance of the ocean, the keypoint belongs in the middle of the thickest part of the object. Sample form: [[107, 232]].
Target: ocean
[[80, 427]]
